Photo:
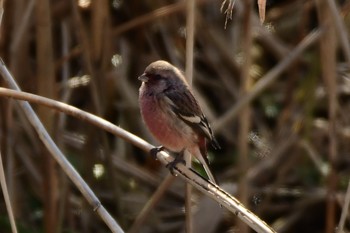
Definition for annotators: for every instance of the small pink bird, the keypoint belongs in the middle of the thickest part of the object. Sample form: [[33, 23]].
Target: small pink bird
[[173, 115]]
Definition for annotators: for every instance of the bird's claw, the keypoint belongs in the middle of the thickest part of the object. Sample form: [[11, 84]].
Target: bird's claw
[[172, 164], [154, 151]]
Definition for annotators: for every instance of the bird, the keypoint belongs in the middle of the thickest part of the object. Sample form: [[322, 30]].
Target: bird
[[173, 116]]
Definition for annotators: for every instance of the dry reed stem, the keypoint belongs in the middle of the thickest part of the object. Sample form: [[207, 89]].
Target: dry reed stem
[[190, 37], [147, 18], [245, 115], [345, 211], [6, 195], [23, 27], [46, 87], [328, 68], [314, 157], [262, 9], [83, 37], [3, 183], [341, 29]]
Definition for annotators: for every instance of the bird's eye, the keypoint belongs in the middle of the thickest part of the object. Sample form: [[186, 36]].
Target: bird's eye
[[157, 77]]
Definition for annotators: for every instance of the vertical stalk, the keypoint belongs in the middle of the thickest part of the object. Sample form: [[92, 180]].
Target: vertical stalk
[[46, 82], [328, 68], [191, 4], [6, 195], [244, 119]]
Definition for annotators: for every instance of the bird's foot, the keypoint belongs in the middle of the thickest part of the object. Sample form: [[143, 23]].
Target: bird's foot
[[172, 165], [154, 151]]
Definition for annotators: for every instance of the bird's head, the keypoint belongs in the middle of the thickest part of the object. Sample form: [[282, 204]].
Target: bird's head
[[161, 75]]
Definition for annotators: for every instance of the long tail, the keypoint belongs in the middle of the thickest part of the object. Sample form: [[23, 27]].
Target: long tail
[[209, 173], [203, 159]]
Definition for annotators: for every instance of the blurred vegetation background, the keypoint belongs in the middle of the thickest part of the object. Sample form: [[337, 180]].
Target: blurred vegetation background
[[284, 130]]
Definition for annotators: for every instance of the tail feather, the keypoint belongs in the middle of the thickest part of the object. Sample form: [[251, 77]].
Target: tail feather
[[215, 144], [209, 173], [201, 155]]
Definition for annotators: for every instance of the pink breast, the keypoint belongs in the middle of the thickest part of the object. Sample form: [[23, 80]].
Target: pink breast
[[164, 126]]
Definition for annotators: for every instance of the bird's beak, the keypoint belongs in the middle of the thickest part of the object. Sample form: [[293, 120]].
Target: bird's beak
[[143, 78]]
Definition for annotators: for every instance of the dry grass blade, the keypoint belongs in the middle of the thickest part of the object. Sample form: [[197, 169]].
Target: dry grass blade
[[2, 172], [147, 18], [190, 38], [328, 65], [7, 197], [345, 211], [1, 10], [262, 10], [23, 26], [228, 10], [46, 87], [316, 158], [245, 116], [341, 29]]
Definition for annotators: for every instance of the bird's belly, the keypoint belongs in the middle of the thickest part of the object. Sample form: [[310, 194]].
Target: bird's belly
[[166, 127]]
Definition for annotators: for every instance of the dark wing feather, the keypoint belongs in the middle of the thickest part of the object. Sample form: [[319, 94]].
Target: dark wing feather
[[186, 107]]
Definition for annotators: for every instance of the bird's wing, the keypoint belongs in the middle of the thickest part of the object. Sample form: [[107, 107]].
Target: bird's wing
[[186, 107]]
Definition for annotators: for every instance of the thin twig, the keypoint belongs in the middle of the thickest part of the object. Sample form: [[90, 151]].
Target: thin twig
[[1, 10], [2, 172], [328, 51], [341, 29], [46, 87], [23, 26], [228, 10], [315, 158], [149, 17], [245, 116], [262, 10], [190, 34], [7, 197], [344, 211]]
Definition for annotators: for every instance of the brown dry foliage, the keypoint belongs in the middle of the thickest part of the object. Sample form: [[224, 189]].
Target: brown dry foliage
[[297, 163]]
